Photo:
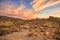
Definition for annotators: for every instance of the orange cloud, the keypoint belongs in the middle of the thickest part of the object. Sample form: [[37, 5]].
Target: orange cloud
[[37, 1], [39, 4], [18, 12], [29, 14], [20, 8], [7, 9]]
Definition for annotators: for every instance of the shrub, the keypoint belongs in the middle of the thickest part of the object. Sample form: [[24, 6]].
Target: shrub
[[7, 28]]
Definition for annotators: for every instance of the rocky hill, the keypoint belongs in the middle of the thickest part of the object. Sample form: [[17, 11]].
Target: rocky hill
[[35, 29]]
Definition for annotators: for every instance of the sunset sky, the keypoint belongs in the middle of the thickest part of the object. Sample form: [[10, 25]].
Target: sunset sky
[[30, 9]]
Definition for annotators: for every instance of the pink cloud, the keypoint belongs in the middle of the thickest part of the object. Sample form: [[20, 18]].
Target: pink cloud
[[38, 4], [10, 10]]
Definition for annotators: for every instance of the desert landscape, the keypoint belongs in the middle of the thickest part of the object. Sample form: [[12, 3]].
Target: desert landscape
[[29, 19], [35, 29]]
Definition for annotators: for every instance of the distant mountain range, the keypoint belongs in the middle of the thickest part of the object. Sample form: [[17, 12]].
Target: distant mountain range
[[50, 18]]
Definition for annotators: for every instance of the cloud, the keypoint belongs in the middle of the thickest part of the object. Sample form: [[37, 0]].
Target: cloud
[[29, 14], [36, 4], [7, 9], [41, 4], [11, 10], [18, 10], [21, 11], [55, 13]]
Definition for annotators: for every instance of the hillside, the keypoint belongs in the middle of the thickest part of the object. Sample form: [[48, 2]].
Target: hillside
[[35, 29]]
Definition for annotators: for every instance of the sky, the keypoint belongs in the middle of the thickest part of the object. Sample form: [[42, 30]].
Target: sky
[[30, 9]]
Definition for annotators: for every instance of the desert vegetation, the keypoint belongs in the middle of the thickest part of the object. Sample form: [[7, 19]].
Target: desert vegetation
[[49, 28]]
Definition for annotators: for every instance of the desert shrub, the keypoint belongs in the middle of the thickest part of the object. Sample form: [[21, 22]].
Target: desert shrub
[[5, 31], [7, 28], [4, 26], [31, 34]]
